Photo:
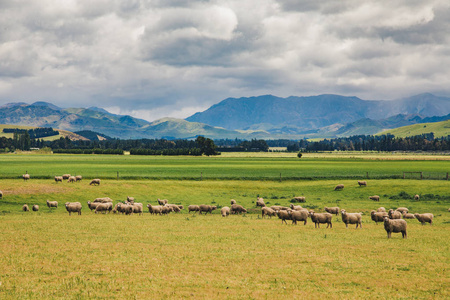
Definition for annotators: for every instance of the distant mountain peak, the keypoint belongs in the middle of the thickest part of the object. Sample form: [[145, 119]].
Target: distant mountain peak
[[13, 104], [99, 109], [46, 104]]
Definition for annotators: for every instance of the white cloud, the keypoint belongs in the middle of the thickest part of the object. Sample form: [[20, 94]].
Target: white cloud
[[173, 58]]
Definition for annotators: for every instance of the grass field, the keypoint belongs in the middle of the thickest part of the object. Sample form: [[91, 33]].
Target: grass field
[[440, 129], [48, 254]]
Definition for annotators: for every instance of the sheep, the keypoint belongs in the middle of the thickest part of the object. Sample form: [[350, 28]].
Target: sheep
[[408, 216], [394, 214], [321, 218], [125, 208], [115, 209], [267, 211], [166, 210], [26, 177], [173, 207], [73, 207], [95, 182], [237, 209], [416, 197], [71, 179], [35, 207], [103, 207], [381, 209], [52, 204], [209, 208], [58, 179], [163, 202], [154, 209], [424, 218], [378, 216], [66, 176], [332, 210], [402, 209], [395, 226], [296, 207], [130, 199], [93, 205], [138, 208], [351, 218], [232, 201], [194, 208], [180, 207], [298, 199], [284, 215], [25, 208], [278, 207], [362, 183], [225, 211], [301, 215], [339, 187], [78, 178], [375, 198], [260, 202], [103, 200]]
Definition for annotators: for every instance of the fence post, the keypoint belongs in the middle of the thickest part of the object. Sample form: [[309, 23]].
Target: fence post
[[421, 175], [447, 176], [117, 175], [280, 177], [403, 175], [367, 175]]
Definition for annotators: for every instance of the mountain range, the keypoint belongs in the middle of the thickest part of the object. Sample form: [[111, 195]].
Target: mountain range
[[267, 117]]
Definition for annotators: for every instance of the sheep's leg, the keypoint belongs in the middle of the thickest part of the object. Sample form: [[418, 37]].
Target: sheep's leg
[[305, 222]]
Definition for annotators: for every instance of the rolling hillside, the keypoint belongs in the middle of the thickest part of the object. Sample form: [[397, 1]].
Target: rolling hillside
[[439, 129]]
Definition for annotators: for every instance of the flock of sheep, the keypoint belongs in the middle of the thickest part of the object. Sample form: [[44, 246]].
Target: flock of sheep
[[393, 219]]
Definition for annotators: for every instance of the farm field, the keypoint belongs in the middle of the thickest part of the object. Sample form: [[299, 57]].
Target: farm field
[[48, 254]]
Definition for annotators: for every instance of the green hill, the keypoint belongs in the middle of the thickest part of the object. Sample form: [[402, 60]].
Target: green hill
[[439, 129], [62, 133]]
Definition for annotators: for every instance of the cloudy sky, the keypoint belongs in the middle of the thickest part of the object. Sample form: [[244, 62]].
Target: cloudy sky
[[159, 58]]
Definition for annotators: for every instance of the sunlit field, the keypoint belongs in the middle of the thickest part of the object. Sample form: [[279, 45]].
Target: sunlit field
[[47, 254]]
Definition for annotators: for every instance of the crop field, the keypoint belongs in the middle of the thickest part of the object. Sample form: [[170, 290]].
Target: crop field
[[49, 255]]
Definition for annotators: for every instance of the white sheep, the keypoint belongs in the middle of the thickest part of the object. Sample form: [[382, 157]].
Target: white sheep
[[73, 207], [424, 218], [332, 210], [267, 211], [351, 218], [397, 225], [324, 218], [394, 214], [225, 211]]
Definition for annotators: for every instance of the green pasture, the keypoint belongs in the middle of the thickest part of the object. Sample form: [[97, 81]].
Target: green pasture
[[253, 168], [49, 255]]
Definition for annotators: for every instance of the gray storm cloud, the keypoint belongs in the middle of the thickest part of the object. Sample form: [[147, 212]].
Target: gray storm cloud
[[154, 59]]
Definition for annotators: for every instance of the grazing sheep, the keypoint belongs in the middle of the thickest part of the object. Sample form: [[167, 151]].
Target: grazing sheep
[[332, 210], [375, 198], [339, 187], [237, 209], [209, 208], [232, 201], [351, 218], [378, 216], [71, 179], [163, 202], [52, 204], [324, 218], [138, 208], [93, 205], [296, 207], [35, 207], [395, 226], [299, 215], [402, 209], [58, 179], [26, 177], [173, 207], [73, 207], [284, 215], [299, 199], [260, 202], [115, 209], [267, 211], [225, 211], [194, 208], [381, 209], [180, 207], [66, 176], [166, 210], [424, 218], [130, 199], [154, 209], [25, 208], [416, 197], [103, 200], [394, 214], [125, 208], [278, 207], [95, 182], [362, 183], [104, 207], [78, 178], [408, 216]]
